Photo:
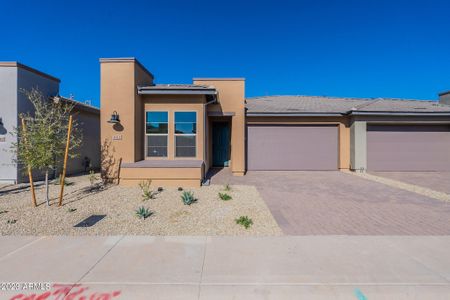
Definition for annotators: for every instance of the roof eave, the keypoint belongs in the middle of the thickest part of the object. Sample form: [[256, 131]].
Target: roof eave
[[400, 113], [176, 92], [282, 114]]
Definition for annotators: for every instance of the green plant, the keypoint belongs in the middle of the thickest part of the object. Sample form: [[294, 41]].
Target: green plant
[[3, 212], [225, 196], [227, 187], [180, 189], [244, 221], [188, 197], [12, 221], [41, 141], [66, 182], [147, 192], [143, 213], [71, 210], [92, 177]]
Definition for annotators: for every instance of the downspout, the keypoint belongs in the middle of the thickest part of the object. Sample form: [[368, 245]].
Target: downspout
[[205, 115]]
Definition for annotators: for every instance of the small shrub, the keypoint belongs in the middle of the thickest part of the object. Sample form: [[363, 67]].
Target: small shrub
[[225, 196], [58, 181], [180, 189], [227, 187], [188, 197], [244, 221], [3, 212], [92, 177], [160, 189], [143, 213], [71, 210], [147, 192], [13, 221]]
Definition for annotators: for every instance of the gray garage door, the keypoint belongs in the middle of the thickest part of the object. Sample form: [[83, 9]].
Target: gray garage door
[[292, 147], [408, 148]]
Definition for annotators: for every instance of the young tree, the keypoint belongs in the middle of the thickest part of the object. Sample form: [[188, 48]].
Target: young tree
[[41, 144]]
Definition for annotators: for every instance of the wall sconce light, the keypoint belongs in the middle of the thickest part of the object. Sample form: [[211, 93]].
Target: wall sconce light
[[114, 118], [3, 131]]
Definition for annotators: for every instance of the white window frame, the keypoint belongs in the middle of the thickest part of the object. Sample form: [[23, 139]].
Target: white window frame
[[156, 134], [184, 134]]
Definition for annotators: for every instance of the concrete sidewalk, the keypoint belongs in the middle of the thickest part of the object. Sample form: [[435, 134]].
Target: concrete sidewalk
[[290, 267]]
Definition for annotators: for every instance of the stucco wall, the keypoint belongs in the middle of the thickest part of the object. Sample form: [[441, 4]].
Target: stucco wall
[[358, 146], [27, 80], [341, 122], [172, 104], [118, 92], [8, 113], [89, 124], [231, 96], [358, 150]]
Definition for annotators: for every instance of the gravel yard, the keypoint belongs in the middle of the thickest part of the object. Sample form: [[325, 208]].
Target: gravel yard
[[207, 216]]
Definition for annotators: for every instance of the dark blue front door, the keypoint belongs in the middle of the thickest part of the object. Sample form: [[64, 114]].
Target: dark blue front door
[[221, 144]]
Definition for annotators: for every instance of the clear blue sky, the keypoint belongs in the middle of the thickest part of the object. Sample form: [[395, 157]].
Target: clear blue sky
[[338, 48]]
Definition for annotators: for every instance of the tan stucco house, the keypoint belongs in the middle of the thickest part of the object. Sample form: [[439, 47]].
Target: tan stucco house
[[172, 134]]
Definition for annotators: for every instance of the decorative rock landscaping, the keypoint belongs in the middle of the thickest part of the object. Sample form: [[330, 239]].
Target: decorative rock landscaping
[[209, 215]]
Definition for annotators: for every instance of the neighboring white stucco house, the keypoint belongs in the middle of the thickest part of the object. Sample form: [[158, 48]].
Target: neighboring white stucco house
[[16, 77]]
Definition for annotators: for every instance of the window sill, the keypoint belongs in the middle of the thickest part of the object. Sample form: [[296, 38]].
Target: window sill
[[154, 163]]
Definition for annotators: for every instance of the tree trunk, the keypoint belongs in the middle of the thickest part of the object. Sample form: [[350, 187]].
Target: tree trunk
[[46, 188]]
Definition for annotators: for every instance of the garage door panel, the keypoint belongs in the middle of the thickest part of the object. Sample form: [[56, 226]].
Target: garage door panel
[[408, 148], [292, 147]]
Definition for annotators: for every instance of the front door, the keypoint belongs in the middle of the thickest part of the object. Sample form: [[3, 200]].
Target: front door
[[221, 144]]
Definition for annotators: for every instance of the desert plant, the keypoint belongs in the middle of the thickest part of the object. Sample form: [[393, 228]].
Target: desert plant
[[3, 212], [41, 142], [180, 189], [147, 192], [143, 213], [65, 181], [71, 210], [160, 189], [225, 196], [188, 197], [227, 187], [244, 221], [12, 221], [92, 177]]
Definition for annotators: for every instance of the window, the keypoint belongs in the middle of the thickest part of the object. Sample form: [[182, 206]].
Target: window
[[185, 134], [156, 131]]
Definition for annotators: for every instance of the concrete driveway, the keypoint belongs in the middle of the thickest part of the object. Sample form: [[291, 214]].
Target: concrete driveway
[[438, 181], [307, 267], [330, 203]]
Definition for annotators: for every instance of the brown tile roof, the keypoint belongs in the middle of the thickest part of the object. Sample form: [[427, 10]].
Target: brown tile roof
[[336, 105], [79, 105]]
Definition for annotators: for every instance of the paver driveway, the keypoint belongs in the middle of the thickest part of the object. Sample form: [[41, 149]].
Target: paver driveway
[[309, 203], [438, 181]]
